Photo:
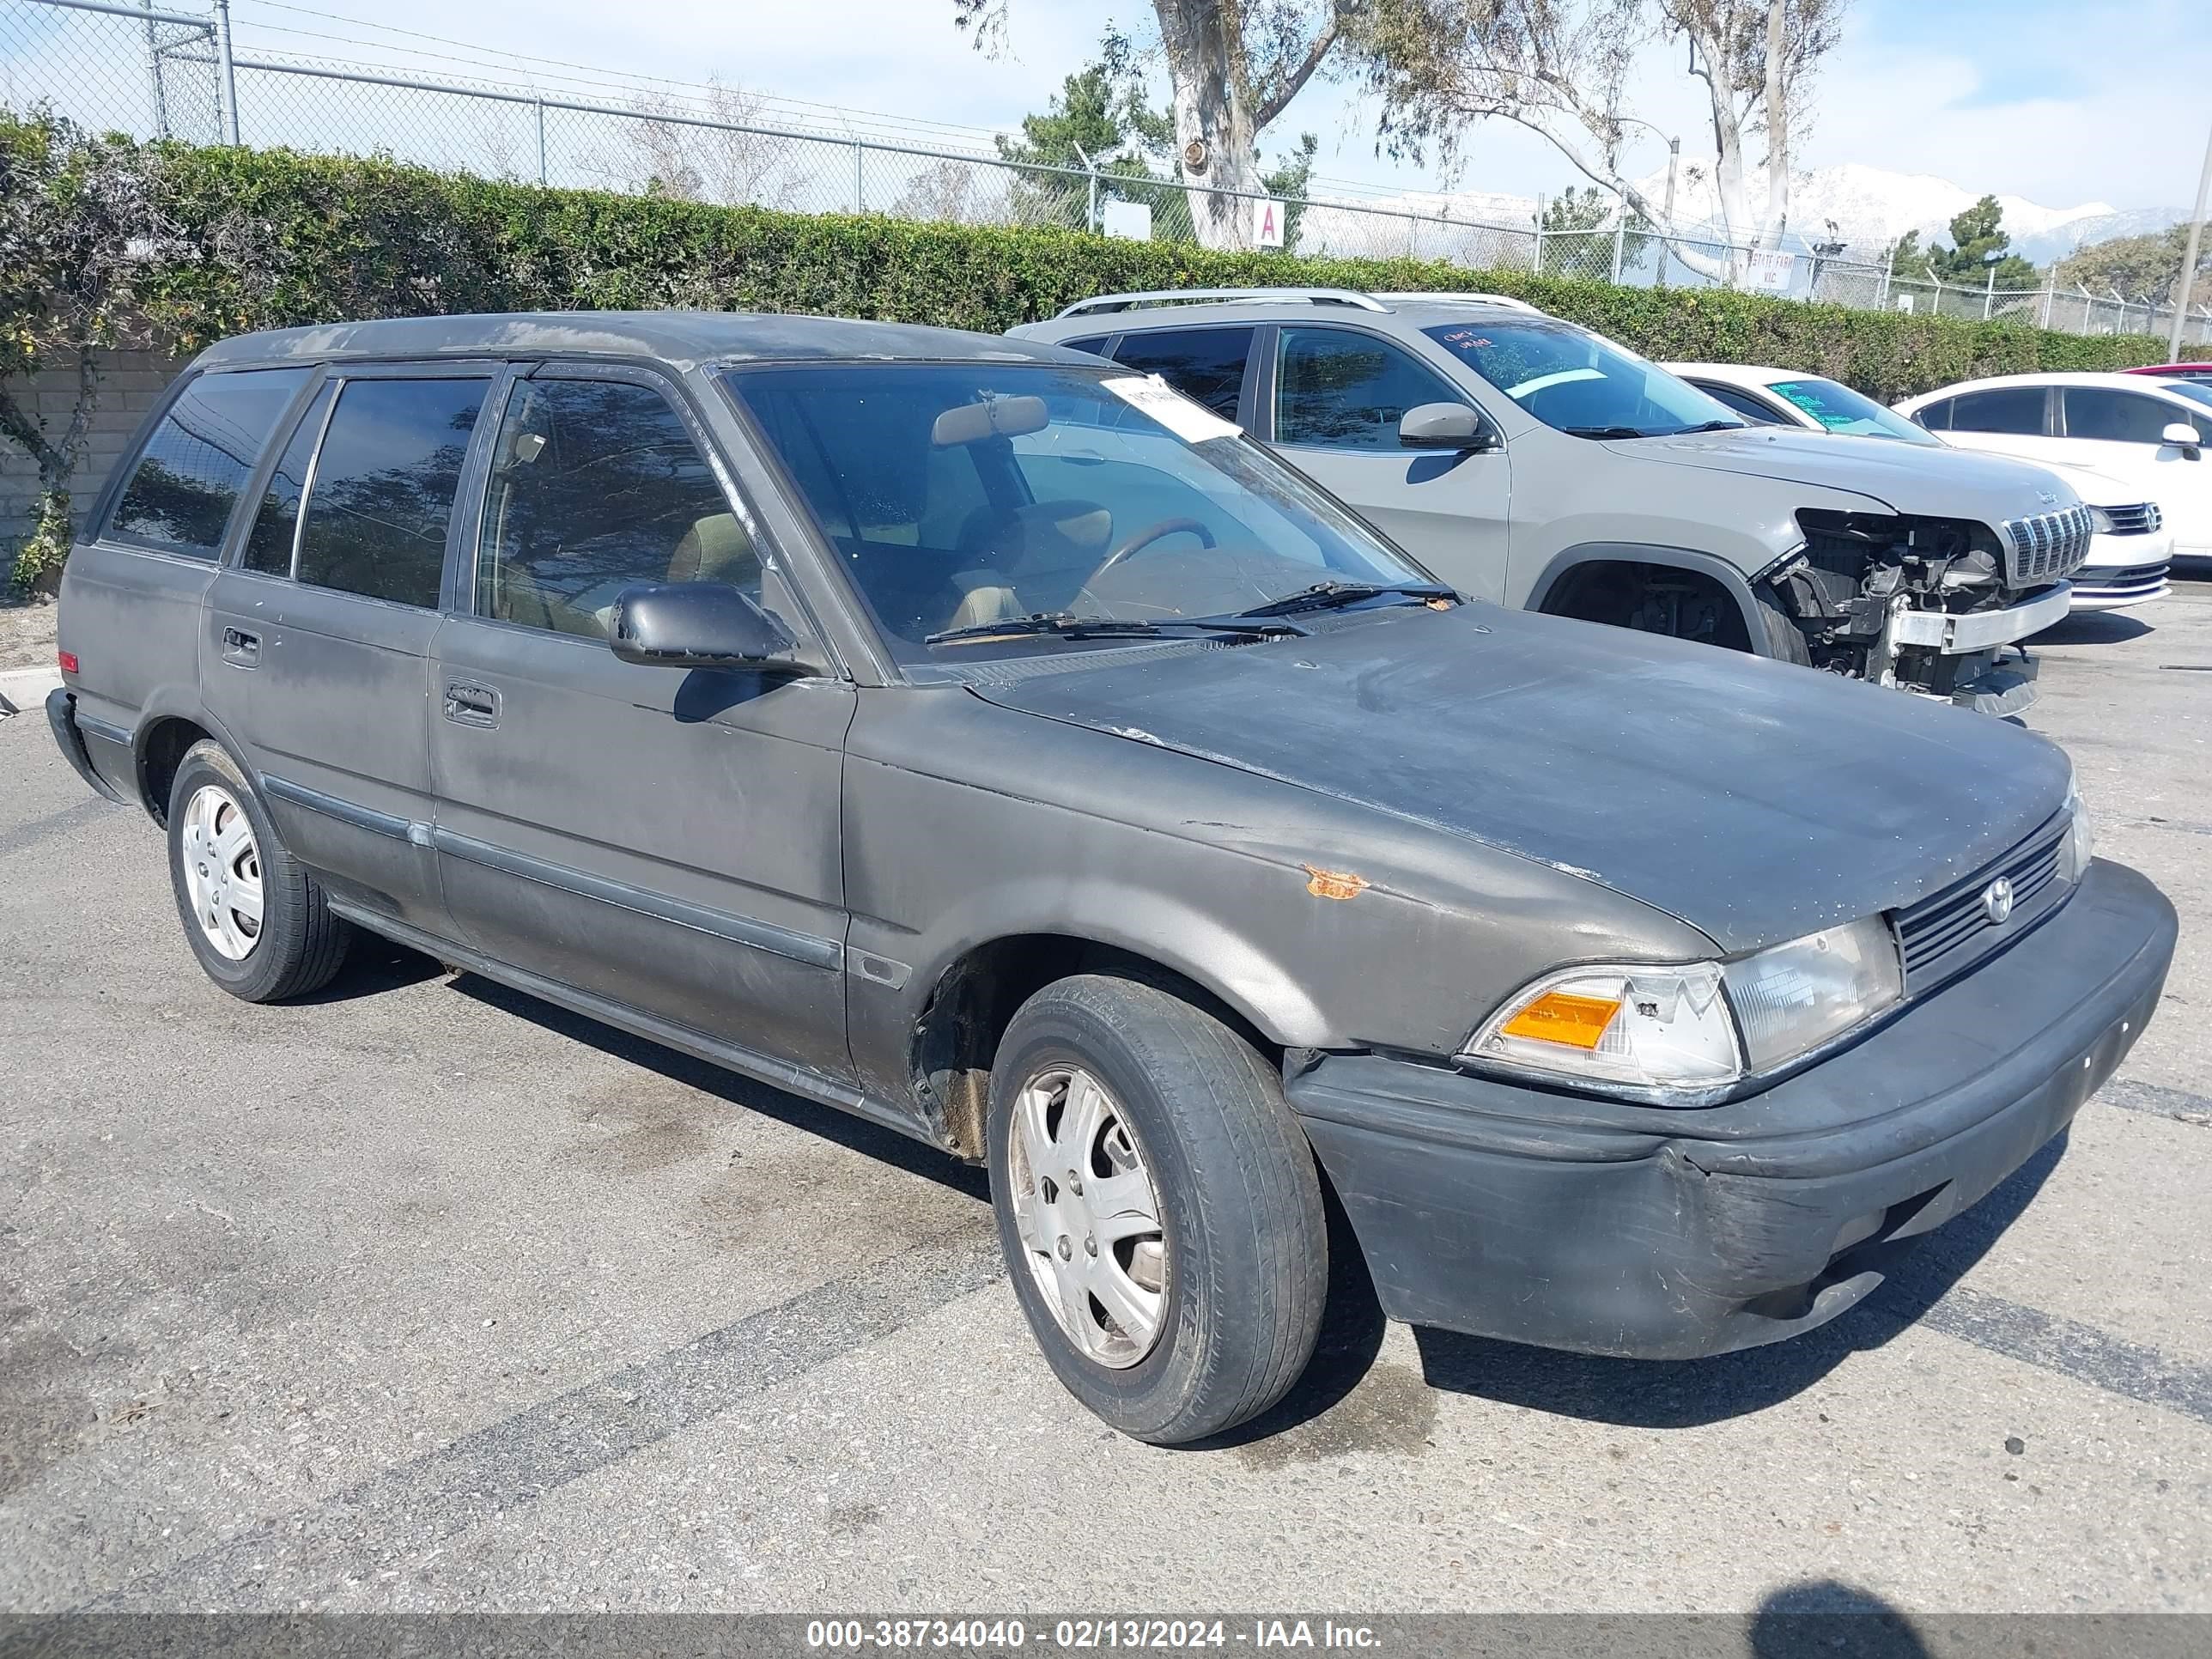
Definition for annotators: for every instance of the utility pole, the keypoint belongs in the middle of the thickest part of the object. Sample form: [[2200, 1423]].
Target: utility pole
[[2189, 259]]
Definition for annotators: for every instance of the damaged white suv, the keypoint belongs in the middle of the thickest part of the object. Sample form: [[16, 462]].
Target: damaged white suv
[[1531, 462]]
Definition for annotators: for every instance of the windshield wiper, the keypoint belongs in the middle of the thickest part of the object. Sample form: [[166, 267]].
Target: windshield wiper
[[1069, 627], [1712, 425], [1609, 432], [1333, 595]]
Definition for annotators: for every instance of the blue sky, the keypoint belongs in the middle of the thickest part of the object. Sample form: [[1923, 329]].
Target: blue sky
[[2088, 100]]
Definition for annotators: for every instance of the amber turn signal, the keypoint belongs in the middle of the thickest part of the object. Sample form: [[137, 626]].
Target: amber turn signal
[[1560, 1017]]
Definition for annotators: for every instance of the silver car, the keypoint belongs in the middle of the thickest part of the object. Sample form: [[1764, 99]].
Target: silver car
[[1533, 461]]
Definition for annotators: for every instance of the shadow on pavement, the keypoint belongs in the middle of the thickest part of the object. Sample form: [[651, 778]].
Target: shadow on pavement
[[855, 1134], [1689, 1393], [1828, 1617], [2095, 628]]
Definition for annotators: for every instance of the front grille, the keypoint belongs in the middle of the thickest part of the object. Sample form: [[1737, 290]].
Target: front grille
[[1949, 933], [2047, 547], [2144, 519], [2114, 581]]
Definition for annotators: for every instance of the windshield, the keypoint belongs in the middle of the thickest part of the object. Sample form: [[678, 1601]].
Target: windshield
[[1840, 408], [1579, 383], [2196, 391], [961, 494]]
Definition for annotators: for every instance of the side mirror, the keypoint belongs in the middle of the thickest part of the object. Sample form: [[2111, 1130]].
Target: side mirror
[[1443, 426], [2183, 436], [700, 625]]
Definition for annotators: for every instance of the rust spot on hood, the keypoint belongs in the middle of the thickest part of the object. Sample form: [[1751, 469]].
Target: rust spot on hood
[[1333, 884]]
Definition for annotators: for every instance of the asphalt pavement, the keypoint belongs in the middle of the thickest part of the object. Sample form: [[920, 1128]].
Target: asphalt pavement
[[427, 1295]]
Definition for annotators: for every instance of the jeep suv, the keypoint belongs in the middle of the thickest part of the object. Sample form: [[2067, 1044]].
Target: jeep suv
[[979, 738], [1532, 462]]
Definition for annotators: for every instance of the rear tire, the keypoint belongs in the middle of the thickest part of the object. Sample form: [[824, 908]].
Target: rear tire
[[256, 921], [1158, 1207]]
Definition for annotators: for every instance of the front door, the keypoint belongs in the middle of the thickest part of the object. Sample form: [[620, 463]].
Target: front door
[[2123, 434], [1337, 395], [319, 633], [666, 840]]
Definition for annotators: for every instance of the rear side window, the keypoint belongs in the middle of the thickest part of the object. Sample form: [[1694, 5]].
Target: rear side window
[[1095, 344], [1935, 416], [269, 544], [1738, 402], [188, 476], [2120, 417], [1204, 363], [2017, 409], [383, 492], [1346, 390]]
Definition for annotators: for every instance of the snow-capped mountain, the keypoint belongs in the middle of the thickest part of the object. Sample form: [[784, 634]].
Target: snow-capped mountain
[[1872, 207]]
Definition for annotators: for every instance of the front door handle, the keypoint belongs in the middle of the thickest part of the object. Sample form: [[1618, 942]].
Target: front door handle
[[471, 705], [241, 648]]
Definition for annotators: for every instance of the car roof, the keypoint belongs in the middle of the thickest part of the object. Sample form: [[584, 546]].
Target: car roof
[[2114, 380], [1740, 373], [2154, 369], [683, 339]]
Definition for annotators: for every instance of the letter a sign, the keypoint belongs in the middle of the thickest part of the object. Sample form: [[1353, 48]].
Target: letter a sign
[[1267, 223]]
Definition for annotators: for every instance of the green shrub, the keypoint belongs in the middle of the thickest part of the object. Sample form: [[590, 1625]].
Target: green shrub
[[40, 555], [300, 238], [277, 238]]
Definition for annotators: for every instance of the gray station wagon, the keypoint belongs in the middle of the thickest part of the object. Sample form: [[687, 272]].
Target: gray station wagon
[[980, 737]]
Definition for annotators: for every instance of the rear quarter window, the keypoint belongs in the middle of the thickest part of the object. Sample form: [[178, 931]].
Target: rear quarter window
[[184, 484]]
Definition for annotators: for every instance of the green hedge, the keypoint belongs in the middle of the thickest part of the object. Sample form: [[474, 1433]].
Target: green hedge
[[278, 238], [298, 238]]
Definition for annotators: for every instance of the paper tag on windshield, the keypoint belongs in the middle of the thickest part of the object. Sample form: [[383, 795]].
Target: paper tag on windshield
[[1192, 423]]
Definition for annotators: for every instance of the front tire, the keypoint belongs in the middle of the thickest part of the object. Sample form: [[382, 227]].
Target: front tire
[[1158, 1206], [256, 921]]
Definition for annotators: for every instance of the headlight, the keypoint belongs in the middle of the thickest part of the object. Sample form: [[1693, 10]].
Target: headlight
[[2078, 846], [1684, 1035], [2100, 521], [1798, 996]]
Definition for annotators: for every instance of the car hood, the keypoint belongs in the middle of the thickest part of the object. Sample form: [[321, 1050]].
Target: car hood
[[1905, 477], [1755, 800]]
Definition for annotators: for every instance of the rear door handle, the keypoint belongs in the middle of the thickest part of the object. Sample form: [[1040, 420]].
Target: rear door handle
[[241, 648], [471, 705]]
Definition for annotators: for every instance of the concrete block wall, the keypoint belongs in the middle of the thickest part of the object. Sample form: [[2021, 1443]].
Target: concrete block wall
[[131, 383]]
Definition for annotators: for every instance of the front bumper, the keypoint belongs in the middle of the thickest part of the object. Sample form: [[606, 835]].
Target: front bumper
[[1572, 1222], [2115, 587], [1980, 630]]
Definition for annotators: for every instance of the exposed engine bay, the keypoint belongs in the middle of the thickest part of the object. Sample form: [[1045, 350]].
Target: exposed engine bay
[[1872, 594]]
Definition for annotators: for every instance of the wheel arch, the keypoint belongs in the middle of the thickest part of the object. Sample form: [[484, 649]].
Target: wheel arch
[[1550, 582], [967, 998], [171, 720]]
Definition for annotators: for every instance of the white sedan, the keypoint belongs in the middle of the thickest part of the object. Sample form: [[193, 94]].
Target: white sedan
[[2129, 555], [2147, 432]]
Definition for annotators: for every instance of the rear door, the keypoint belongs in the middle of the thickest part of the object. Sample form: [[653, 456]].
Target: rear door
[[133, 595], [318, 635], [1332, 396], [667, 840]]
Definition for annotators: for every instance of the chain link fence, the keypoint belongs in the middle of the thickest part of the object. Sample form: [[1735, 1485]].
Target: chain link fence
[[167, 72]]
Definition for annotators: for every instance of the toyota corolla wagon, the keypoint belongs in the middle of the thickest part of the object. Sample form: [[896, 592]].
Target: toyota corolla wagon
[[980, 738]]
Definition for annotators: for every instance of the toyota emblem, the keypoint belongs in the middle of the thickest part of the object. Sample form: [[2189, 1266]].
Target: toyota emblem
[[1997, 901]]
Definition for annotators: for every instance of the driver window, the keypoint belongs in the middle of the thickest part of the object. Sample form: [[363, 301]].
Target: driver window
[[1342, 389], [596, 486]]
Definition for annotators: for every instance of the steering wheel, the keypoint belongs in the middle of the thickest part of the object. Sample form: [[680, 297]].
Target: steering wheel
[[1147, 536]]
